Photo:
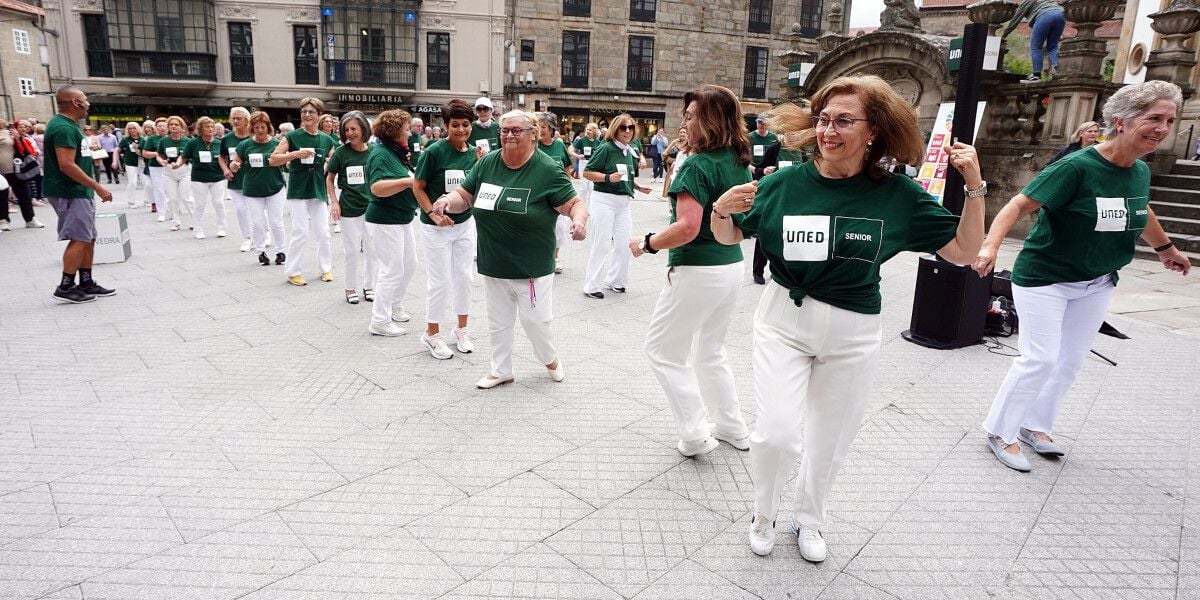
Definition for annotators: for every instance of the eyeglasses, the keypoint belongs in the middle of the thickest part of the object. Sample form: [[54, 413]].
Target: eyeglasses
[[514, 130], [840, 123], [481, 108], [307, 111]]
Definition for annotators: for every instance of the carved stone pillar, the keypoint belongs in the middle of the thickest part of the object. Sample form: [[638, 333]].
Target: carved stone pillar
[[833, 34], [1084, 54], [994, 14], [1174, 61]]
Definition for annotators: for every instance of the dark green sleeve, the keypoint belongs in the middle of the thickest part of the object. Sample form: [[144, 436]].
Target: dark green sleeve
[[559, 188], [692, 179], [471, 183], [599, 161], [930, 225], [1056, 186], [335, 163], [423, 168]]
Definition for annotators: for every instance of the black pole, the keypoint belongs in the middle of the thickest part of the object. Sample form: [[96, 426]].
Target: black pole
[[966, 102]]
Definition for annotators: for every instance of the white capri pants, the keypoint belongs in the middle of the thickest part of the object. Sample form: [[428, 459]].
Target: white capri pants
[[132, 176], [1059, 322], [179, 194], [449, 267], [239, 206], [356, 240], [267, 213], [206, 193], [813, 369], [693, 311], [396, 251], [533, 301], [309, 215], [156, 191], [610, 223]]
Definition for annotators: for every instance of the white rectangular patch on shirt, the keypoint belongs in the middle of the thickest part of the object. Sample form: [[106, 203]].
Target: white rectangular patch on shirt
[[85, 149], [453, 178], [622, 172], [172, 152], [783, 164], [587, 150], [233, 154], [487, 196], [484, 145], [354, 175], [308, 160], [758, 149], [205, 156], [806, 238], [256, 159], [1111, 214]]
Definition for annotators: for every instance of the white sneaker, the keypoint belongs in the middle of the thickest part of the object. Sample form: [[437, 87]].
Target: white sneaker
[[762, 535], [462, 340], [741, 443], [34, 224], [436, 347], [5, 226], [174, 226], [199, 235], [245, 245], [389, 329], [221, 233], [557, 373], [337, 227], [161, 218], [812, 545], [697, 447], [400, 316]]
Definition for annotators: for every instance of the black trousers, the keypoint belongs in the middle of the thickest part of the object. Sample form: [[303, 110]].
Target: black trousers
[[24, 200], [111, 173], [658, 166], [760, 259]]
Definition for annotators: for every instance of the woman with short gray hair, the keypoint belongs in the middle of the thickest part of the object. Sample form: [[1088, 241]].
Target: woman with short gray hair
[[1092, 206]]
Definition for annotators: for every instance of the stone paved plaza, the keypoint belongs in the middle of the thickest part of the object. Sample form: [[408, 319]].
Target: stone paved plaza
[[212, 432]]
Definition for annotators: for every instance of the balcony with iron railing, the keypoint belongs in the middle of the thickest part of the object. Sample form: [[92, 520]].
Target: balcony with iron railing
[[153, 65], [373, 73]]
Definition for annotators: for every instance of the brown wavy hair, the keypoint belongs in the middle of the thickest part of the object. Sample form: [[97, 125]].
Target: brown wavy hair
[[391, 123], [891, 117], [718, 122], [793, 123]]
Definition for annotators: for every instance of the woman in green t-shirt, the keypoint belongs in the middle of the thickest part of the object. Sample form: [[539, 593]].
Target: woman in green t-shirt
[[611, 168], [262, 187], [129, 153], [390, 213], [704, 277], [304, 150], [826, 227], [239, 121], [175, 175], [553, 147], [516, 195], [1092, 207], [581, 152], [449, 239], [153, 132], [346, 183], [209, 170]]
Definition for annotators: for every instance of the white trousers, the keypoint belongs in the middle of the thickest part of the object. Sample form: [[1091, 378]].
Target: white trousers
[[813, 368], [533, 301], [157, 192], [693, 312], [132, 176], [610, 223], [239, 206], [449, 267], [396, 250], [356, 241], [562, 231], [1058, 324], [179, 194], [267, 213], [206, 193], [588, 186], [308, 216]]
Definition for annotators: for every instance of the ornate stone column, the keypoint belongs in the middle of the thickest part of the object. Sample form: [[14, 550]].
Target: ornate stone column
[[1174, 61], [1084, 54], [833, 34], [994, 14]]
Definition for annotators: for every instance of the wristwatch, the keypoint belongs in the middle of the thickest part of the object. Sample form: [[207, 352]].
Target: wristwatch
[[644, 245], [977, 193]]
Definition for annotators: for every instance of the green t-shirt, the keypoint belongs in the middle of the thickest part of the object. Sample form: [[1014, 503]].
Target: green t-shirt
[[150, 144], [827, 238], [397, 209], [706, 176], [416, 146], [205, 158], [759, 145], [1092, 214], [130, 148], [443, 169], [306, 176], [556, 150], [62, 132], [490, 133], [584, 147], [169, 149], [350, 165], [230, 144], [788, 158], [515, 214], [607, 158], [260, 179]]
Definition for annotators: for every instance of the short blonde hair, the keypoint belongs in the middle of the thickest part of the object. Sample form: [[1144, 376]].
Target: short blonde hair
[[134, 126], [202, 121], [313, 102], [528, 117], [1078, 135], [239, 110], [177, 119]]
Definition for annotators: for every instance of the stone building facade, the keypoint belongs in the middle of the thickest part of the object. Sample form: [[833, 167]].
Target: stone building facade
[[142, 58], [589, 60], [23, 77]]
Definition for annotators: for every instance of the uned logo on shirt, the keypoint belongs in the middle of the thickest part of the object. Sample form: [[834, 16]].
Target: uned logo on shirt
[[806, 237]]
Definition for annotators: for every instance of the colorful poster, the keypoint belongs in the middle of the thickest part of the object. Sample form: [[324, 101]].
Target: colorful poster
[[932, 174]]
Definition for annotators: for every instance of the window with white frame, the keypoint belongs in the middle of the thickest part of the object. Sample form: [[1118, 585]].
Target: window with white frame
[[21, 40], [27, 89]]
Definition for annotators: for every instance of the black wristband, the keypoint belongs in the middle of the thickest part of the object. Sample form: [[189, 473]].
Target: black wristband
[[1166, 246], [646, 244]]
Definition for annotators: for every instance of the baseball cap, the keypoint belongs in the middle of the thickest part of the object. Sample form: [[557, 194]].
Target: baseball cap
[[760, 119], [484, 101]]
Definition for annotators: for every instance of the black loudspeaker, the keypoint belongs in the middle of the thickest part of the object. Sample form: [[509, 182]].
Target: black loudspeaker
[[949, 306]]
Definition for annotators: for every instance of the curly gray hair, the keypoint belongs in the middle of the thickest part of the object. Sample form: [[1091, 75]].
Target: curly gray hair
[[1132, 100]]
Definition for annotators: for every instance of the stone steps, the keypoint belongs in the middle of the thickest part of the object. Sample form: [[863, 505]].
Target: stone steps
[[1175, 198]]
